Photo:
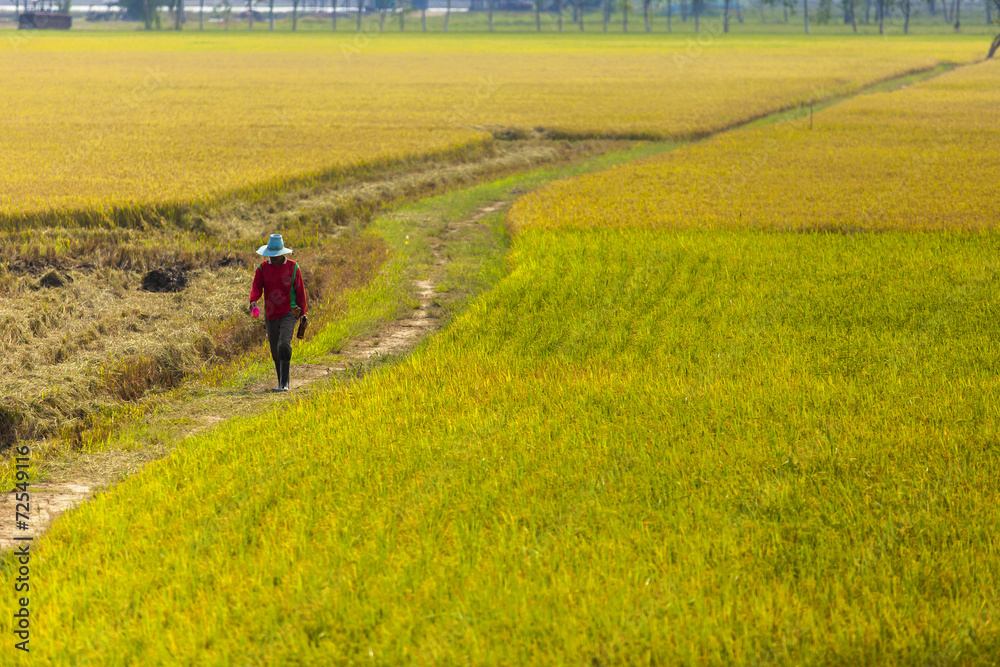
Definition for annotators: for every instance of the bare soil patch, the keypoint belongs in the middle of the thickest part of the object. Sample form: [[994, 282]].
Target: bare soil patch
[[47, 502], [71, 480], [398, 337], [164, 280]]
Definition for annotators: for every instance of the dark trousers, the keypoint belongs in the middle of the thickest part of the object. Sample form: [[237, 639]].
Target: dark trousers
[[279, 335]]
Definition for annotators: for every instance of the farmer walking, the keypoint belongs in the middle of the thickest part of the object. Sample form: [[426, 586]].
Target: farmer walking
[[280, 282]]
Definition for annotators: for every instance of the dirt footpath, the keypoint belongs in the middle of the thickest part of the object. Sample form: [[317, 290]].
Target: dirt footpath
[[76, 477]]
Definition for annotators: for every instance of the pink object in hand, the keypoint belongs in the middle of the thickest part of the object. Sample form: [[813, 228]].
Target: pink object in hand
[[255, 312]]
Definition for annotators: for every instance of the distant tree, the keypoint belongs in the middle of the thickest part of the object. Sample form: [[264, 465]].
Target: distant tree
[[824, 12], [250, 4], [625, 7], [850, 13], [172, 9], [223, 10], [725, 16], [761, 5], [670, 11], [805, 14], [490, 4], [559, 11], [447, 15], [958, 15], [906, 17], [147, 11], [401, 8], [995, 46], [645, 12], [295, 15]]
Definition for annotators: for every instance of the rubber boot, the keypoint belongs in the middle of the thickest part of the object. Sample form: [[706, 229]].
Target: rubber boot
[[283, 382]]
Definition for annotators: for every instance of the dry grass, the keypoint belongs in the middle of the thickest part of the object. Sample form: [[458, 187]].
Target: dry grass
[[99, 340]]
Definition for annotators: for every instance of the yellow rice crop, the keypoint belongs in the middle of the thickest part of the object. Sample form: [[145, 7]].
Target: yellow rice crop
[[922, 158], [94, 121]]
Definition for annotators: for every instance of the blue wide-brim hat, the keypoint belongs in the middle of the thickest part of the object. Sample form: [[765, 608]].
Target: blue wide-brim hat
[[275, 247]]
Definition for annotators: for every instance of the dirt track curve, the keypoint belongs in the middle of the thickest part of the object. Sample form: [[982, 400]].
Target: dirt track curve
[[77, 478]]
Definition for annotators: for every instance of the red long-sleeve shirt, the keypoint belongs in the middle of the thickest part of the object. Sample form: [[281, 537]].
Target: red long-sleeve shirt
[[275, 283]]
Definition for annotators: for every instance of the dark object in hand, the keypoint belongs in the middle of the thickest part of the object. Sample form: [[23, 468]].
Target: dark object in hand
[[303, 323]]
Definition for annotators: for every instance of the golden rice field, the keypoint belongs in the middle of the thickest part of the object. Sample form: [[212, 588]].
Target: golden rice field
[[663, 438], [95, 122], [924, 158]]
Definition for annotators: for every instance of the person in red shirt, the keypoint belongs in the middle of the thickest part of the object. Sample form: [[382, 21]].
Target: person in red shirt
[[279, 281]]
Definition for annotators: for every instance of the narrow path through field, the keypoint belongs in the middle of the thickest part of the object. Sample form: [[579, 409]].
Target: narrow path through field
[[400, 336], [75, 477]]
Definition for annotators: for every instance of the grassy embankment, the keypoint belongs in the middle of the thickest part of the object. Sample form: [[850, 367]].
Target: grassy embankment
[[648, 443]]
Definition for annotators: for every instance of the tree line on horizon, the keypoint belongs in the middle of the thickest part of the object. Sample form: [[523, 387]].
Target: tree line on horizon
[[879, 11]]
